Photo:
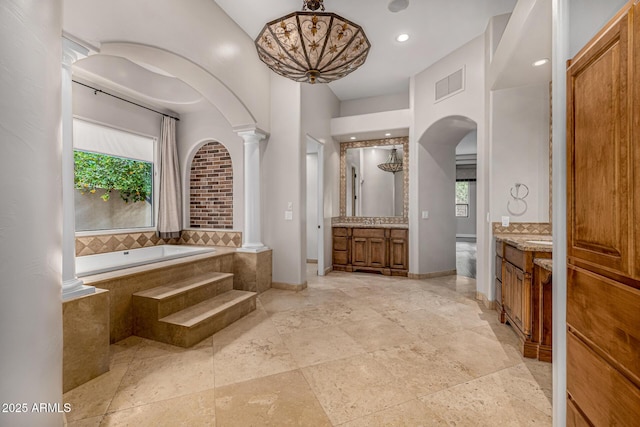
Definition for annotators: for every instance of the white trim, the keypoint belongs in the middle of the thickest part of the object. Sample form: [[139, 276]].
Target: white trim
[[560, 48]]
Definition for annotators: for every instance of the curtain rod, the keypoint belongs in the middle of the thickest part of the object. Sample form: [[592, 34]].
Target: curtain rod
[[96, 90]]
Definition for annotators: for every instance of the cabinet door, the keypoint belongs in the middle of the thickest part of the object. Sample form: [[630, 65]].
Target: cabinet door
[[523, 284], [377, 252], [398, 253], [508, 284], [598, 153], [360, 248], [518, 298]]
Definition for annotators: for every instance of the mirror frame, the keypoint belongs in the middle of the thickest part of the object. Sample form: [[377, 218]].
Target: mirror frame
[[344, 146]]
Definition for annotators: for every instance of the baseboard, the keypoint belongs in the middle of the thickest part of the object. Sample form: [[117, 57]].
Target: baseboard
[[328, 270], [432, 275], [289, 286], [491, 305], [466, 236]]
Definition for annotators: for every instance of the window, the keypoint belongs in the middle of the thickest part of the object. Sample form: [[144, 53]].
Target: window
[[114, 178], [462, 198]]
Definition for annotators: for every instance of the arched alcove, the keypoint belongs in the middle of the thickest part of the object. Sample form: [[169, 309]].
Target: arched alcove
[[211, 188]]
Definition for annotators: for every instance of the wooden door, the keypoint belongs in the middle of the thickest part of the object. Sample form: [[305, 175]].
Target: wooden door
[[603, 210]]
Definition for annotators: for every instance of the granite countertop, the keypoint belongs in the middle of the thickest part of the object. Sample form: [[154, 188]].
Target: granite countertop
[[527, 242], [545, 263], [363, 225]]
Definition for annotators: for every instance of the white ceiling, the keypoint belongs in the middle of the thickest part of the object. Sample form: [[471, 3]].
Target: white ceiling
[[436, 28]]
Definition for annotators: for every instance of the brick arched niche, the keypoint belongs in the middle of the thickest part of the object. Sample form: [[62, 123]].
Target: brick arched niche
[[211, 188]]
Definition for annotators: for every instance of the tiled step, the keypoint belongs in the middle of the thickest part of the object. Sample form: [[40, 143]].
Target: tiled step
[[185, 312], [164, 300], [193, 324]]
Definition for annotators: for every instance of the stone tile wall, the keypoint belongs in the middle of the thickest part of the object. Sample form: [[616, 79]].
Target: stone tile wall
[[91, 245], [523, 228]]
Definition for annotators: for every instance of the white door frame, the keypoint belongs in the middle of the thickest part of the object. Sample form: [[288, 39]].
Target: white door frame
[[320, 204]]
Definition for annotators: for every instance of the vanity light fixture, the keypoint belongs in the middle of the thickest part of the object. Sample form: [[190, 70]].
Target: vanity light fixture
[[311, 46], [540, 62], [402, 37], [393, 163]]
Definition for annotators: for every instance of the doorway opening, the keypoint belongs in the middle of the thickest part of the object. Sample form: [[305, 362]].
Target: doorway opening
[[315, 229], [466, 205]]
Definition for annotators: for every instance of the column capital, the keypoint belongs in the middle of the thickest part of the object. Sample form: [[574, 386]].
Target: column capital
[[251, 133], [72, 52]]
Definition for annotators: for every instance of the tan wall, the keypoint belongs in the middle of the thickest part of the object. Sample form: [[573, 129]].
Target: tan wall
[[93, 213]]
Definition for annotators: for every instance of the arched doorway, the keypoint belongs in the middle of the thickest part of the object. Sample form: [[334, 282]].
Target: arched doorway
[[436, 189]]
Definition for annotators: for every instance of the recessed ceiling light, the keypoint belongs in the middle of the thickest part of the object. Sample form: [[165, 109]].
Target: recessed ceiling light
[[387, 134], [402, 38], [541, 62], [352, 138]]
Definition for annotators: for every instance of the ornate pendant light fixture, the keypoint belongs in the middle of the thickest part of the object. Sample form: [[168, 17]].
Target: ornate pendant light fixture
[[393, 163], [311, 46]]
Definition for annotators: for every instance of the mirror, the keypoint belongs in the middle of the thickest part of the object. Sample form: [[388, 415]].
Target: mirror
[[368, 190]]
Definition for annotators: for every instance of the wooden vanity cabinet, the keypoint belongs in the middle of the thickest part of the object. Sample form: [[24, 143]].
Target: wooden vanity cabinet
[[371, 249], [520, 297]]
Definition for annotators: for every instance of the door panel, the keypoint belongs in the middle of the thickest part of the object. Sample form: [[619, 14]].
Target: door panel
[[598, 153]]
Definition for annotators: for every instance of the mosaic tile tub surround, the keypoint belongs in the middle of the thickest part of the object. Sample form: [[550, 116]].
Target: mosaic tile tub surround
[[91, 245], [523, 228]]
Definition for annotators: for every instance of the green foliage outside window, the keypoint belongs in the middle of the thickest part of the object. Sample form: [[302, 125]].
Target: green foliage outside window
[[132, 178], [462, 192]]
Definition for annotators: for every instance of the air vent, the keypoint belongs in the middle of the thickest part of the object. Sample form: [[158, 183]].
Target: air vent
[[450, 85]]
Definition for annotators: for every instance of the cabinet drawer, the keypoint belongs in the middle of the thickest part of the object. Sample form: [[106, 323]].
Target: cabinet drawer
[[368, 232], [515, 256], [340, 231], [398, 234], [339, 243], [606, 397], [606, 313]]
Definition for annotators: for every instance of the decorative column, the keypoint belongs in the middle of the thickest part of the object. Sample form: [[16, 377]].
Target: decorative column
[[252, 234], [71, 286]]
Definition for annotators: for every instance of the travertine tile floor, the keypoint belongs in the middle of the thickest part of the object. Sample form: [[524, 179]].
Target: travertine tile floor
[[351, 350]]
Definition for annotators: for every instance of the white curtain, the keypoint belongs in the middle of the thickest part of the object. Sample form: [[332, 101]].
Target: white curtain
[[170, 200]]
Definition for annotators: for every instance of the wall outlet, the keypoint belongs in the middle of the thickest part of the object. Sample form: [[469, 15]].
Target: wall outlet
[[425, 214], [288, 215], [505, 221]]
